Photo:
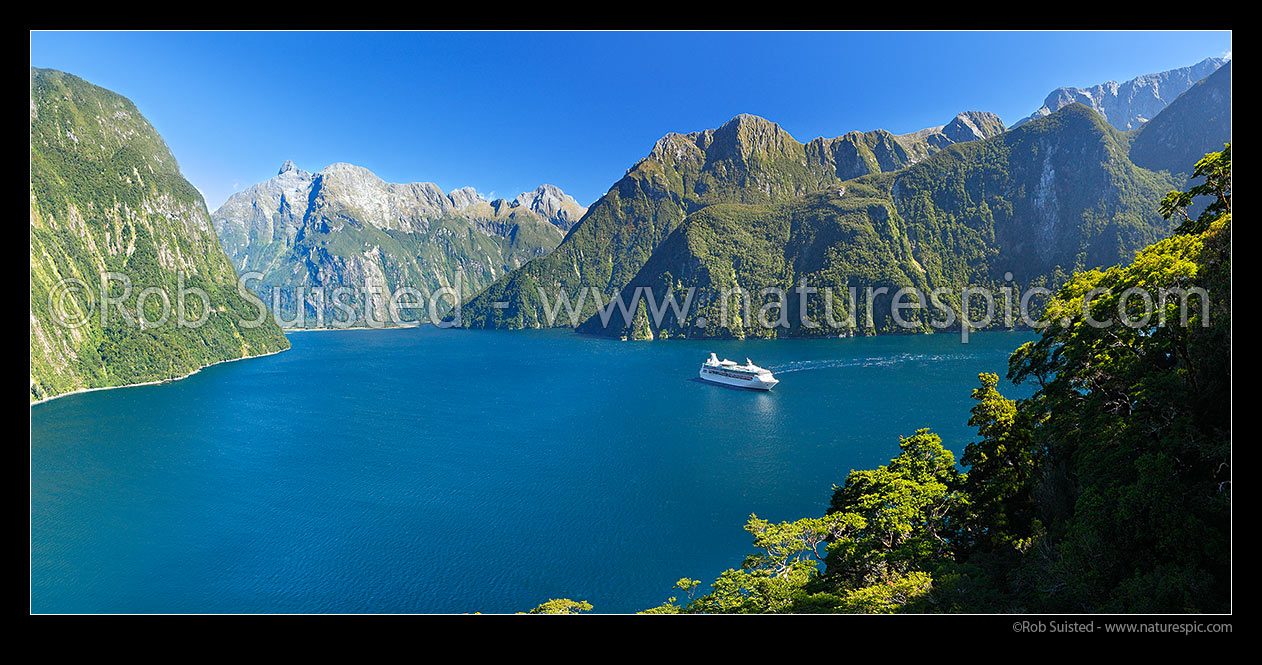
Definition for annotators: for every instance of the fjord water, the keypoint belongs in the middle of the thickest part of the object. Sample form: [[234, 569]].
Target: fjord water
[[430, 470]]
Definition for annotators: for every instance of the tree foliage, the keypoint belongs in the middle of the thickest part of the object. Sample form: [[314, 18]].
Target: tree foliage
[[1215, 168], [562, 606]]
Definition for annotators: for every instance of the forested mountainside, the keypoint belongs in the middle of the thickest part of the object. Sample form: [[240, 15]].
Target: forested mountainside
[[1108, 490], [747, 160], [345, 227], [1129, 105], [108, 196], [1022, 208]]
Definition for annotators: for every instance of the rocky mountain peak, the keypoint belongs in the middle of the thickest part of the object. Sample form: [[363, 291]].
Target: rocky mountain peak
[[552, 204], [290, 176], [347, 169], [465, 197], [746, 135], [972, 126], [748, 121]]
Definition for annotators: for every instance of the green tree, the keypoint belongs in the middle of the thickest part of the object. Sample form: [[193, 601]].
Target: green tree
[[1215, 168], [884, 526], [1135, 421], [1001, 468], [562, 606]]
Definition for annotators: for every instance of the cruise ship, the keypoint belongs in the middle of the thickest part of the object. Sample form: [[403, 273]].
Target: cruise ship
[[728, 373]]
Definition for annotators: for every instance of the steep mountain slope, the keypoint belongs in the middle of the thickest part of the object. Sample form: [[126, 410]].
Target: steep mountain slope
[[1198, 122], [1053, 196], [345, 227], [747, 160], [107, 196], [1129, 105]]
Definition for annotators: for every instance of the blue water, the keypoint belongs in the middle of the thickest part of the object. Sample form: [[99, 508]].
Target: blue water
[[426, 470]]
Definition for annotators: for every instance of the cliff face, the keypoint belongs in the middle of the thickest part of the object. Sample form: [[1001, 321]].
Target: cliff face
[[1129, 105], [107, 196], [345, 227], [748, 160]]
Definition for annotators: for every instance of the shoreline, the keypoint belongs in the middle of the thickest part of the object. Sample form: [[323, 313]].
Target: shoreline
[[285, 331], [154, 383]]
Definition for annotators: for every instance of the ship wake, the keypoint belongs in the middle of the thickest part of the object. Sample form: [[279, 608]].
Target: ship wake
[[873, 361]]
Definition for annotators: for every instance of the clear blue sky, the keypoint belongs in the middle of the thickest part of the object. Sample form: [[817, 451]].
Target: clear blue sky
[[503, 112]]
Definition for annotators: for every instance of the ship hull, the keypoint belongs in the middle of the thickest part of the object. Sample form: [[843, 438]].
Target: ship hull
[[735, 381]]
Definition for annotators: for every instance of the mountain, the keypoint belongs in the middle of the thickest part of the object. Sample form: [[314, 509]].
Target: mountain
[[107, 196], [748, 160], [346, 227], [1199, 121], [1129, 105], [879, 151], [552, 204], [1053, 196]]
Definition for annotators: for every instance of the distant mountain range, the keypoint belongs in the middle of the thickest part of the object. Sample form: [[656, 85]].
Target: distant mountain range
[[878, 151], [344, 226], [1129, 105], [747, 205], [1199, 121]]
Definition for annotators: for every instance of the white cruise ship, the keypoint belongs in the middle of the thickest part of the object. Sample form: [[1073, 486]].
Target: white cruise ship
[[728, 373]]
